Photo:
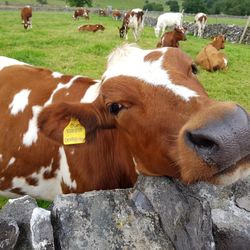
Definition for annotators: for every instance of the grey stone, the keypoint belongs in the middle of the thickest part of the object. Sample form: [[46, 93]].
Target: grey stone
[[20, 210], [123, 219], [185, 217], [41, 230], [231, 219], [9, 233], [34, 223]]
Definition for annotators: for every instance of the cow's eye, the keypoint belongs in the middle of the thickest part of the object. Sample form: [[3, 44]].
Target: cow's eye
[[115, 108], [194, 69]]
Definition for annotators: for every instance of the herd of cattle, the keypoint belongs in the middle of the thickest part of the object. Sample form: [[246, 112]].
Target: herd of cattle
[[147, 114], [210, 58]]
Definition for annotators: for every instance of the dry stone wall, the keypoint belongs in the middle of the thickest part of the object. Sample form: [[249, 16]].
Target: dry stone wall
[[158, 213], [232, 32]]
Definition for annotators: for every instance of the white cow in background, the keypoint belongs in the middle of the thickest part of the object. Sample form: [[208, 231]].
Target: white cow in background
[[169, 19], [200, 20]]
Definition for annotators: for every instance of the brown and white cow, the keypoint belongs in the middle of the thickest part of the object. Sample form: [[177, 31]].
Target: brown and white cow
[[116, 14], [172, 38], [81, 12], [210, 58], [26, 15], [91, 27], [133, 19], [200, 20], [102, 12], [149, 113]]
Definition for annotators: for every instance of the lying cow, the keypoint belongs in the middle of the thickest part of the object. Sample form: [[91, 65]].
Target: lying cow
[[200, 21], [81, 12], [149, 113], [26, 15], [169, 20], [172, 38], [91, 27], [210, 58], [133, 19]]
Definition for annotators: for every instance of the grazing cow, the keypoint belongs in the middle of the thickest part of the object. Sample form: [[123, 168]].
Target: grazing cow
[[26, 15], [210, 58], [102, 12], [172, 38], [168, 20], [81, 12], [133, 19], [200, 20], [116, 14], [91, 27], [149, 113]]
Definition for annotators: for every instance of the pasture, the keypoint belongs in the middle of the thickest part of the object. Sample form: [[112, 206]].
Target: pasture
[[55, 43]]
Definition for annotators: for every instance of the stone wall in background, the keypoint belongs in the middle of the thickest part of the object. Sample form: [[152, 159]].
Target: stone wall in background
[[232, 32], [158, 213]]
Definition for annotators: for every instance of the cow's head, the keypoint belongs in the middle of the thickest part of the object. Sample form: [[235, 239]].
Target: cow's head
[[100, 27], [122, 31], [180, 33], [219, 42], [155, 101]]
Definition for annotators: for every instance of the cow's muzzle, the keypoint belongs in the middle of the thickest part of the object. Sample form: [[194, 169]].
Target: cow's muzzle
[[224, 142]]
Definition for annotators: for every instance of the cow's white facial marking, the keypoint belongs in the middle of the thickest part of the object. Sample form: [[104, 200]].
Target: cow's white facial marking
[[31, 135], [129, 61], [6, 62], [91, 93], [19, 102], [64, 170]]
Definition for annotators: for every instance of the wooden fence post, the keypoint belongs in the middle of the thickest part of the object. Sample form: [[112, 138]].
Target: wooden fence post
[[245, 29]]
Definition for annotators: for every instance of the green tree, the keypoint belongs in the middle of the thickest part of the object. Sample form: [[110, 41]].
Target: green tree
[[194, 6], [42, 1], [80, 3], [153, 6], [173, 5]]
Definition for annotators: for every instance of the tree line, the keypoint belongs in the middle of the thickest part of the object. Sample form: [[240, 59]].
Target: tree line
[[229, 7]]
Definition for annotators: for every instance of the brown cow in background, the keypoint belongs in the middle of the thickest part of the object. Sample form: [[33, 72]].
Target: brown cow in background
[[210, 58], [102, 12], [116, 14], [91, 27], [26, 14], [81, 12], [172, 38]]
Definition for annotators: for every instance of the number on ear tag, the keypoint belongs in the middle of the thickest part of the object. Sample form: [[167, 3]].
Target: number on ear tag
[[74, 133]]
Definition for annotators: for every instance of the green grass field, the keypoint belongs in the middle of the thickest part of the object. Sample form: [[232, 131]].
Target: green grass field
[[55, 43]]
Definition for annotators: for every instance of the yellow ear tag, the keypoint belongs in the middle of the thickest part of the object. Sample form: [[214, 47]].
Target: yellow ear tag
[[74, 133]]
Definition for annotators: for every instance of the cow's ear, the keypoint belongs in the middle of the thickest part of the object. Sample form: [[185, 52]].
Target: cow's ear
[[55, 118]]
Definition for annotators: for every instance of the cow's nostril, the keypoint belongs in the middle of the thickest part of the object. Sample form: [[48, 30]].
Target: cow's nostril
[[201, 142]]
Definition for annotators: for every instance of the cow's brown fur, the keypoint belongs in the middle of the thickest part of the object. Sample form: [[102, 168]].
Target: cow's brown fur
[[91, 27], [172, 38], [26, 15], [210, 58]]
